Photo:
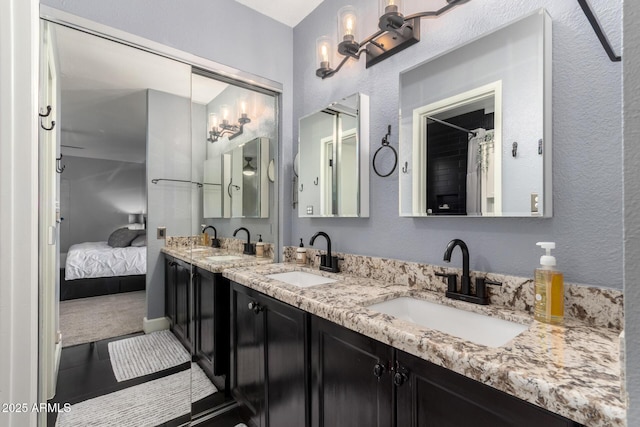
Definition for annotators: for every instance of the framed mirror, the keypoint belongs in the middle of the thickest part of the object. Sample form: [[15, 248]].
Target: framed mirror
[[333, 157], [247, 189], [475, 127], [234, 139]]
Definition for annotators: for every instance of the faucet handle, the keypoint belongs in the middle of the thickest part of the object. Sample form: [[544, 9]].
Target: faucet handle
[[481, 286], [452, 281]]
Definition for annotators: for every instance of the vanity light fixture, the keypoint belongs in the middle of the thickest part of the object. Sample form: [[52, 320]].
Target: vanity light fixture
[[395, 32], [218, 129], [248, 170]]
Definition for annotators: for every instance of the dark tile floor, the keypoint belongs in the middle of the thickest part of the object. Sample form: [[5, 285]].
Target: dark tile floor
[[85, 372]]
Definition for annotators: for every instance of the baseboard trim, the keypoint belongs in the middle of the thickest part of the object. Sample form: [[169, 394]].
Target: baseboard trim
[[155, 325]]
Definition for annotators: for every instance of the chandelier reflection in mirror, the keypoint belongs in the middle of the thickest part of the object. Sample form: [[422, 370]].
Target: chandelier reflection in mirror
[[219, 128], [396, 32]]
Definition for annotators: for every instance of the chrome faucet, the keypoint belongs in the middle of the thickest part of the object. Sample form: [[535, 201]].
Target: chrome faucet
[[464, 280], [215, 243], [248, 247], [327, 262], [464, 294]]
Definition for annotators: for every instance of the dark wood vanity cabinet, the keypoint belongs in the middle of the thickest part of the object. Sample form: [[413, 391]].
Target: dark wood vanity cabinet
[[350, 380], [430, 395], [177, 295], [353, 380], [211, 324], [268, 359]]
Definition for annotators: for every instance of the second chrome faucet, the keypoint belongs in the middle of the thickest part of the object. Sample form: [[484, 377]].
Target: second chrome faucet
[[248, 247], [328, 262], [464, 293]]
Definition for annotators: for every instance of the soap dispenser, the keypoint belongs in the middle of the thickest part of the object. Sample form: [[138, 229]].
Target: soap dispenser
[[549, 289], [301, 254], [204, 240], [260, 247]]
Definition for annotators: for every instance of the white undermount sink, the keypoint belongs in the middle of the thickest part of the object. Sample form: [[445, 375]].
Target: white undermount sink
[[223, 258], [300, 278], [467, 325]]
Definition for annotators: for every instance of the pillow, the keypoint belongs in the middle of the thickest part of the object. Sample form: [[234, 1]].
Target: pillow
[[122, 237], [139, 241]]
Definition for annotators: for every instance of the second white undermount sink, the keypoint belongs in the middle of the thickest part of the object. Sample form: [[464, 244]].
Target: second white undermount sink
[[470, 326], [223, 258], [301, 278]]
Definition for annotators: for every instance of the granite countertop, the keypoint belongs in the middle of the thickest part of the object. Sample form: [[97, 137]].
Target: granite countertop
[[228, 259], [572, 370]]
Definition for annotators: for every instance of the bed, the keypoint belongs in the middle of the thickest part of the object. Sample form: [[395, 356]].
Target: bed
[[97, 268]]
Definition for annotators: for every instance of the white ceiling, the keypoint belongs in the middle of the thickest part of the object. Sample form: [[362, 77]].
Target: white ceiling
[[103, 94], [289, 12]]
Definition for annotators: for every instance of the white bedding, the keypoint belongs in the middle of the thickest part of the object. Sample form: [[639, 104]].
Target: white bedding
[[97, 259]]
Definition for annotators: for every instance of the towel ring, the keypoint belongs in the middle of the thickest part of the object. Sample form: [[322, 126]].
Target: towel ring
[[385, 143]]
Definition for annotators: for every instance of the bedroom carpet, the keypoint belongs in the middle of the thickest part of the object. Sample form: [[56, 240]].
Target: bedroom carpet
[[146, 354], [86, 320], [149, 404]]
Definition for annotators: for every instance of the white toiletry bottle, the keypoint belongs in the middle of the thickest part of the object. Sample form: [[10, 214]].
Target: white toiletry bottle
[[260, 247], [301, 254]]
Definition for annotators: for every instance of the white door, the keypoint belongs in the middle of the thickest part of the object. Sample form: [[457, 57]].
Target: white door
[[48, 232]]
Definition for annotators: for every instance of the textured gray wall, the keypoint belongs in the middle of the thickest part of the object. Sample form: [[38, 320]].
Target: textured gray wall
[[631, 56], [97, 196], [587, 174], [168, 203]]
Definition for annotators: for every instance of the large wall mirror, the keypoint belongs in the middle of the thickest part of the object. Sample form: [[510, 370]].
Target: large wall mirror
[[143, 142], [235, 138], [333, 155], [475, 127]]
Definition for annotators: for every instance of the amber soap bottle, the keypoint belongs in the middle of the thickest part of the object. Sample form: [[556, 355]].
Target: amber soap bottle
[[549, 289]]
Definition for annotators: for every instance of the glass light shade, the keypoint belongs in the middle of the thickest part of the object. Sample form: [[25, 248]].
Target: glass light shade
[[347, 24], [226, 114], [243, 108], [324, 52], [390, 6], [213, 121]]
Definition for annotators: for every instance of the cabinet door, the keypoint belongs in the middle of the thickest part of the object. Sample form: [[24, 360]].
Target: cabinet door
[[211, 320], [170, 289], [183, 314], [286, 361], [247, 354], [350, 382], [435, 396], [204, 320]]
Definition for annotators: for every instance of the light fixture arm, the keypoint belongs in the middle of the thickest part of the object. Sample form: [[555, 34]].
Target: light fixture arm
[[233, 130], [390, 39]]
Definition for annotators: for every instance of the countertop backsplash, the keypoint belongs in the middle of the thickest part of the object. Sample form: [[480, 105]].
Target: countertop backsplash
[[594, 306], [226, 243]]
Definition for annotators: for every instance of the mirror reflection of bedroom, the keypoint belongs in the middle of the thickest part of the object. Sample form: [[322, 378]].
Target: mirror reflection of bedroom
[[122, 112], [137, 162]]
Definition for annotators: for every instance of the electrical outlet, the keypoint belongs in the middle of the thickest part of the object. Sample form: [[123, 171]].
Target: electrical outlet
[[535, 200], [161, 233], [309, 210]]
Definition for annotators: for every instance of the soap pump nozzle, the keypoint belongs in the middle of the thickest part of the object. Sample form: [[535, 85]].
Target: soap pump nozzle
[[547, 260]]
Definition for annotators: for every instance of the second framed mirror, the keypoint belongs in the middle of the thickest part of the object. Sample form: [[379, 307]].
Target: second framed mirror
[[333, 152]]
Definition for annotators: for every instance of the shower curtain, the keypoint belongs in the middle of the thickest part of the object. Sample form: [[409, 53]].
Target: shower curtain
[[479, 170]]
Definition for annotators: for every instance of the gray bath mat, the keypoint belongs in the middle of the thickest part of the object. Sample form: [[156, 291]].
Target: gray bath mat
[[146, 354], [149, 404], [91, 319]]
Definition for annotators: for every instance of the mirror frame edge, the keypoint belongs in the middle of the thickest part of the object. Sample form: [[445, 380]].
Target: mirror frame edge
[[547, 132]]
